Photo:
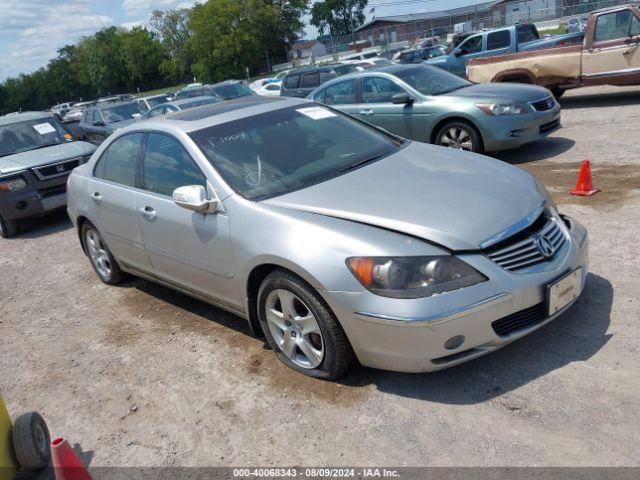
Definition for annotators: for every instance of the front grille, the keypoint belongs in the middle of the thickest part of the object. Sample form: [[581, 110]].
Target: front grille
[[57, 169], [51, 191], [548, 127], [544, 104], [532, 246], [520, 320]]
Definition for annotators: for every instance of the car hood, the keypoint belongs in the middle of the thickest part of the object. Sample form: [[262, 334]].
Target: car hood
[[43, 156], [456, 199], [516, 92]]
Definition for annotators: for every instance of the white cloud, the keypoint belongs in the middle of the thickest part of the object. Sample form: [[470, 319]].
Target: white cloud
[[32, 31], [137, 7]]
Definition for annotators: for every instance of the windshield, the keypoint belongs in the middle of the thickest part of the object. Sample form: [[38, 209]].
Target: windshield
[[431, 80], [30, 135], [289, 149], [120, 112], [232, 90], [155, 101]]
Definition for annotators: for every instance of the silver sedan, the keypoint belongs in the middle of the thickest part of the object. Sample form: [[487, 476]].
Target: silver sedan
[[334, 240]]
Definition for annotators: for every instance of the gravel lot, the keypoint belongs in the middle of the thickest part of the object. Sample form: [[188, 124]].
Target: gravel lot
[[141, 376]]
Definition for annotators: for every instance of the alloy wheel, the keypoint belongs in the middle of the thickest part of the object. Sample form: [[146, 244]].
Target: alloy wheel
[[98, 253], [457, 137], [294, 328]]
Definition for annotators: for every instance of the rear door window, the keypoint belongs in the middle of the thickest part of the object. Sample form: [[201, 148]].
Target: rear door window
[[341, 93], [291, 81], [311, 80], [119, 162], [500, 39]]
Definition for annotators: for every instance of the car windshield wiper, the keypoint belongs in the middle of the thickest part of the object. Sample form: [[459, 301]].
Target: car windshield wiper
[[360, 163], [451, 90]]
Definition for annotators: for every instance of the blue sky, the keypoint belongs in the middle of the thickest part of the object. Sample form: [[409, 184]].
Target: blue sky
[[31, 31]]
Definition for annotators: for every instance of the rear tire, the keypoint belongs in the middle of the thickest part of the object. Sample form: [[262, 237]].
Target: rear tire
[[102, 261], [461, 136], [8, 228], [31, 441], [305, 335]]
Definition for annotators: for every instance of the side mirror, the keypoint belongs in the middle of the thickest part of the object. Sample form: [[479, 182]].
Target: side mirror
[[194, 198], [98, 123], [457, 52], [402, 98]]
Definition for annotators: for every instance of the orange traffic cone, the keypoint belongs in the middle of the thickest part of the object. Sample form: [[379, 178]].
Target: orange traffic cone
[[66, 464], [584, 187]]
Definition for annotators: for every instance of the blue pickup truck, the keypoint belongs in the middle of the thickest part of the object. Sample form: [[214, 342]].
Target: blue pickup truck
[[516, 38]]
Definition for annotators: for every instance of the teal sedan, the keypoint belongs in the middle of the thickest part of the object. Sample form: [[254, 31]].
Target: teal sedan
[[430, 105]]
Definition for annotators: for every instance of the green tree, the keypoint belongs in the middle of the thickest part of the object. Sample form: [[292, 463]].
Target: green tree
[[171, 26], [228, 36], [338, 17]]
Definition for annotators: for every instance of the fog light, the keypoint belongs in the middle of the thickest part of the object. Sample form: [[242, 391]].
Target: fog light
[[454, 342], [21, 205]]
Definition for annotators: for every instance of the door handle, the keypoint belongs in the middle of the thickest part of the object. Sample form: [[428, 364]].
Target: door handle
[[148, 213], [366, 112], [96, 197]]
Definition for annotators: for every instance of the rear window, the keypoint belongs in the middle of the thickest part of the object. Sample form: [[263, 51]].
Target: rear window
[[291, 81], [527, 33]]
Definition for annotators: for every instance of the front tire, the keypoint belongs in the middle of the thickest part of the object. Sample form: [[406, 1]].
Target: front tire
[[301, 328], [102, 261], [8, 228], [461, 136]]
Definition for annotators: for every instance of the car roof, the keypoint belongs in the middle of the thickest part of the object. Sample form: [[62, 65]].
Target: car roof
[[151, 96], [217, 113], [18, 117], [311, 69]]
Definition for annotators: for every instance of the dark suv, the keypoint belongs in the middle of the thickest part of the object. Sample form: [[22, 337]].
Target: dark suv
[[37, 154], [299, 83], [101, 120]]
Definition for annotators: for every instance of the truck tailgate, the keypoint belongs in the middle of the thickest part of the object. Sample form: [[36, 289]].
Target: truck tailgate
[[551, 64]]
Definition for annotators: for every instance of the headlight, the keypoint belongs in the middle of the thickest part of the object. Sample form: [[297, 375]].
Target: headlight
[[413, 277], [542, 190], [497, 109], [13, 185]]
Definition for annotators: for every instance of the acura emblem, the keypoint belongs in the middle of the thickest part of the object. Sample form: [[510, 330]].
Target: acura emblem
[[545, 247], [60, 168]]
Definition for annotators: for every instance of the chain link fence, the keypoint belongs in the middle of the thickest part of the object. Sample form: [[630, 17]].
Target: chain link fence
[[393, 36]]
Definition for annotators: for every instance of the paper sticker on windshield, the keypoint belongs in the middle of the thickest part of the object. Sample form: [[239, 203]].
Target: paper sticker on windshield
[[44, 128], [317, 113]]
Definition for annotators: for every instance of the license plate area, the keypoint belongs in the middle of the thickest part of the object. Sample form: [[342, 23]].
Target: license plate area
[[562, 292]]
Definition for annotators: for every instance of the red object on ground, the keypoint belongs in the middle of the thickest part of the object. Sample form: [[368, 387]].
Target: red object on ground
[[584, 187], [66, 464]]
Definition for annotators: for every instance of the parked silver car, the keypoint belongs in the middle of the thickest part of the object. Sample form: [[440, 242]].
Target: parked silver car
[[333, 239]]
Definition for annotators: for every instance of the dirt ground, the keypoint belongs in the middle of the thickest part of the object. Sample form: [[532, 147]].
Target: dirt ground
[[141, 376]]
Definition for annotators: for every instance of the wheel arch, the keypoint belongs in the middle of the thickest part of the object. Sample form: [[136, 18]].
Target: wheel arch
[[516, 75], [455, 118], [256, 275]]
